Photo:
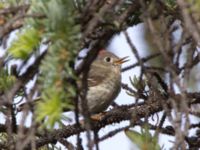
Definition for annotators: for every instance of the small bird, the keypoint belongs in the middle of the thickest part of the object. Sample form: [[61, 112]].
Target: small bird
[[104, 81]]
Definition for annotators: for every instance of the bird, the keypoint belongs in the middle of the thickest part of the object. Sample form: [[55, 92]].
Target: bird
[[104, 81]]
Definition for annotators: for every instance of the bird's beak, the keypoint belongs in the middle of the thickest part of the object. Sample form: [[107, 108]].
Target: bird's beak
[[121, 60]]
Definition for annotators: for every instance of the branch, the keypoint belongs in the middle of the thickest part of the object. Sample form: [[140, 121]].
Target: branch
[[116, 115]]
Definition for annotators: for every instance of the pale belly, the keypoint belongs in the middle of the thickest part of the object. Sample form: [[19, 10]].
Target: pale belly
[[100, 97]]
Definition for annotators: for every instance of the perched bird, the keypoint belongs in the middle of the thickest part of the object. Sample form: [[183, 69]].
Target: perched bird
[[104, 81]]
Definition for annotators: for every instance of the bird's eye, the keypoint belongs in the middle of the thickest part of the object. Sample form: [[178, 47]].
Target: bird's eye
[[107, 59]]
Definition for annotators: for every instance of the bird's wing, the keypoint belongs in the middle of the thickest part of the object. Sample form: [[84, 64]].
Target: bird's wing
[[94, 78]]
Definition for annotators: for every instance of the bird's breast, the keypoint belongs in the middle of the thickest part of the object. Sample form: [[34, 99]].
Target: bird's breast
[[101, 96]]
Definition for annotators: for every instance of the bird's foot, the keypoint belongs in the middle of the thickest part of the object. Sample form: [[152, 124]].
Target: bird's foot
[[98, 117], [95, 117]]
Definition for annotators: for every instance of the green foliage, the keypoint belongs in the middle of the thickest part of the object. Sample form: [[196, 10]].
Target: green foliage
[[6, 80], [2, 5], [60, 29], [170, 3], [194, 9], [49, 108], [27, 41], [137, 84], [3, 138], [144, 140]]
